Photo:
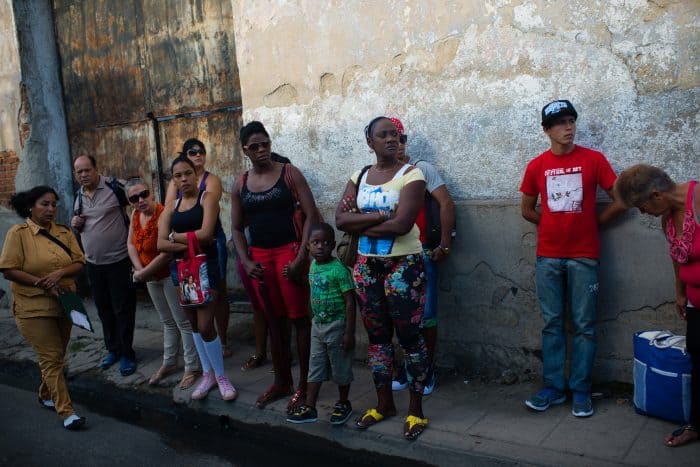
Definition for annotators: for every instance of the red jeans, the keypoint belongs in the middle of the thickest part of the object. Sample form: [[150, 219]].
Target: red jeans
[[285, 297]]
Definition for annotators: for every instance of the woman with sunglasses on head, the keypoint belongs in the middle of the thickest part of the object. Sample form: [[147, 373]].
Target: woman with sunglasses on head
[[653, 192], [263, 199], [194, 149], [41, 258], [151, 266], [197, 212], [389, 272]]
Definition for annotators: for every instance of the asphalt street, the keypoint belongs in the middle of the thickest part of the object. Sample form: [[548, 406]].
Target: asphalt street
[[34, 436]]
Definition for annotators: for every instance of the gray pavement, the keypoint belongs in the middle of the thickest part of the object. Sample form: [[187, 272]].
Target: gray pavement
[[471, 422]]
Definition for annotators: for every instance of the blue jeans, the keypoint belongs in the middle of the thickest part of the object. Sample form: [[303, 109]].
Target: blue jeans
[[431, 291], [575, 279]]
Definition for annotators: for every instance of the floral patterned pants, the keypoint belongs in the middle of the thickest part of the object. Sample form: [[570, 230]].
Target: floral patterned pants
[[391, 292]]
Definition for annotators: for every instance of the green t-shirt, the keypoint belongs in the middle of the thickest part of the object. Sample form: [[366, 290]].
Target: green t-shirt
[[328, 283]]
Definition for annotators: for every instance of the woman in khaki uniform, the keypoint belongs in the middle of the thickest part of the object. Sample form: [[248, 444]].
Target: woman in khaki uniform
[[40, 258]]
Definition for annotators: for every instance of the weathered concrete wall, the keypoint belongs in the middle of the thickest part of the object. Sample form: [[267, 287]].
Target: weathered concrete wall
[[469, 79], [9, 102], [45, 156]]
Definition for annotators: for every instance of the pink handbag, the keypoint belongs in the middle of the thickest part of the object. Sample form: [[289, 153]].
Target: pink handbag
[[193, 275]]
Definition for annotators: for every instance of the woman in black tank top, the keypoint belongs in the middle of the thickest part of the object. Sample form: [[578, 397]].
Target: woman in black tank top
[[196, 212], [265, 199], [195, 151]]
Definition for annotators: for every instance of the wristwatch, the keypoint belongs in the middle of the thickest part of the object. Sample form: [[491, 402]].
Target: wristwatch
[[444, 249], [171, 237]]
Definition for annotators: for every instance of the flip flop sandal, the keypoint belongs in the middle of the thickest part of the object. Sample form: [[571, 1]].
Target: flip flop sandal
[[414, 426], [298, 398], [188, 379], [162, 372], [253, 362], [679, 432], [272, 394], [371, 417]]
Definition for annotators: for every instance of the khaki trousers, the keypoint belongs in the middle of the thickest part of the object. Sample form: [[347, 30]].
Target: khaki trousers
[[49, 338]]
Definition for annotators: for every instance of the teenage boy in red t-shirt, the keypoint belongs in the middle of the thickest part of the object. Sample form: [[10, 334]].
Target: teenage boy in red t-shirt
[[566, 177]]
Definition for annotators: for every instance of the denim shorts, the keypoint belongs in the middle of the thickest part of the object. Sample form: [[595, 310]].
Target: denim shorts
[[223, 253], [430, 319]]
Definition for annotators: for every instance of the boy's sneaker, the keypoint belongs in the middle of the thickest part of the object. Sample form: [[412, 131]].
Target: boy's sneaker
[[341, 413], [400, 382], [582, 407], [546, 397], [303, 414], [430, 382]]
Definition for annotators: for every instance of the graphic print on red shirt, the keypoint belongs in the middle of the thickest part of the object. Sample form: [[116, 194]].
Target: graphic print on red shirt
[[567, 186]]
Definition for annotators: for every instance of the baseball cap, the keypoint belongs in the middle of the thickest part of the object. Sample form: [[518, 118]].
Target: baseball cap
[[556, 109]]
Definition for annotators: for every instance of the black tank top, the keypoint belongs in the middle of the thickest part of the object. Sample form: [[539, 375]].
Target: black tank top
[[269, 214], [191, 220]]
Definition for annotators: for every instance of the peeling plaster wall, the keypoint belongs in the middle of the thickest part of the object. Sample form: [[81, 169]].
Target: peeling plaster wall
[[10, 102], [469, 79]]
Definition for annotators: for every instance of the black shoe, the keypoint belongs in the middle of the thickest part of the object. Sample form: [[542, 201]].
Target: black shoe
[[303, 414], [341, 413], [47, 404], [74, 422]]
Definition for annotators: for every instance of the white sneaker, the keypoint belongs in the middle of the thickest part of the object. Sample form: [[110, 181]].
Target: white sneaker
[[74, 422]]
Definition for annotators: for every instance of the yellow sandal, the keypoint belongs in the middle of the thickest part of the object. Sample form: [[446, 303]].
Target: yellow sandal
[[414, 426], [371, 417]]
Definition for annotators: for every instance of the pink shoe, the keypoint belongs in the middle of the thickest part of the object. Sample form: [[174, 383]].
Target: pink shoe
[[228, 392], [205, 385]]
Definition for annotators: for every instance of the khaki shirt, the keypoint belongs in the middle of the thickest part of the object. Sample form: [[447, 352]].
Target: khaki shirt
[[26, 250]]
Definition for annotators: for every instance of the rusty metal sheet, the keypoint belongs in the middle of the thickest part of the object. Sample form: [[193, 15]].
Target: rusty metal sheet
[[219, 133], [123, 151], [190, 55], [101, 57]]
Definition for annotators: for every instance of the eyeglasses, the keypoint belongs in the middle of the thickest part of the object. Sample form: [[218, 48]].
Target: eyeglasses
[[194, 152], [403, 139], [255, 146], [133, 199]]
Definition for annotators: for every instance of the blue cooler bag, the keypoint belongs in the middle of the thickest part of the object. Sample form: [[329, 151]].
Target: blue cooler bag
[[662, 376]]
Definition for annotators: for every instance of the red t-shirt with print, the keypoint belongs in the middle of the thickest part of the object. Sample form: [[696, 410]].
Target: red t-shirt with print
[[567, 187]]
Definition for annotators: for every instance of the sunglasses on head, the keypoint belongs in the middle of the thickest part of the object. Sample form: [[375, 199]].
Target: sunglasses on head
[[194, 152], [133, 199], [254, 147]]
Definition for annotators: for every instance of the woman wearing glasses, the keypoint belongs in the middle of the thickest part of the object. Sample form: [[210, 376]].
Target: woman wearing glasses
[[196, 152], [151, 267], [265, 199], [389, 272]]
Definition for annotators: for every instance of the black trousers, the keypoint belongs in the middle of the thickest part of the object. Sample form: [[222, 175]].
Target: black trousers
[[115, 298], [692, 342]]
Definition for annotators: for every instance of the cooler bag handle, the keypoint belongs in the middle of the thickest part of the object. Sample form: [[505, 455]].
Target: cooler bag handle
[[669, 341]]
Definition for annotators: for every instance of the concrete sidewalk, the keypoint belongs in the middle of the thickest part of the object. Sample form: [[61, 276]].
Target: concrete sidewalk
[[469, 419]]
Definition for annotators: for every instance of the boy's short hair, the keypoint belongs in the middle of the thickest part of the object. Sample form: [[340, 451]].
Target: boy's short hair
[[556, 109], [324, 227]]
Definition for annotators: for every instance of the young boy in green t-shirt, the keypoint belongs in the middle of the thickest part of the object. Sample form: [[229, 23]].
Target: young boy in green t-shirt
[[333, 328]]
